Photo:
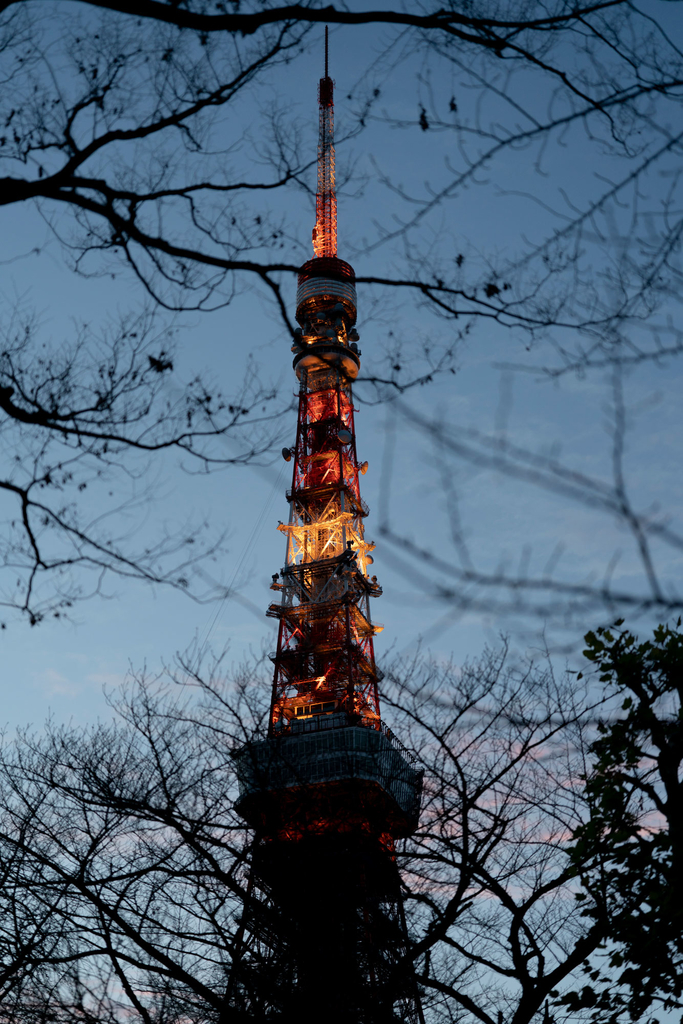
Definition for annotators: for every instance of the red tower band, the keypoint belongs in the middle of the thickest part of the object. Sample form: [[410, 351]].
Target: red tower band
[[325, 662], [330, 789]]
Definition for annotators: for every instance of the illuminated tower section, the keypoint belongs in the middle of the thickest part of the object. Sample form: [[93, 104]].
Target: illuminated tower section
[[325, 662], [330, 789]]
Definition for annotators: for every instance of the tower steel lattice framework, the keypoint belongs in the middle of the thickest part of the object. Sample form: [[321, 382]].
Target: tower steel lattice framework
[[328, 793]]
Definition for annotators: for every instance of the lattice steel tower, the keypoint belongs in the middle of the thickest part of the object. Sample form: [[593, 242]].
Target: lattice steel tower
[[329, 791]]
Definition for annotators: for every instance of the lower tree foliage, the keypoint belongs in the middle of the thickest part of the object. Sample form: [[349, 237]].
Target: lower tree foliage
[[124, 865], [630, 851]]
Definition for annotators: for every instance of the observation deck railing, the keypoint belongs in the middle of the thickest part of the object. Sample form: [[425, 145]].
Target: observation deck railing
[[331, 749]]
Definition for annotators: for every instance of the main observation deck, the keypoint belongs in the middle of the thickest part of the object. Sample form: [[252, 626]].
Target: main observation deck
[[336, 770]]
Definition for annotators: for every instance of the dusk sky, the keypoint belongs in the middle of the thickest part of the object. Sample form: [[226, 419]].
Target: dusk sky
[[508, 523]]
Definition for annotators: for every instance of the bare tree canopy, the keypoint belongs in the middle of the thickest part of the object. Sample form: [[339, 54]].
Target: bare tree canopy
[[124, 863], [138, 86], [84, 421], [154, 141]]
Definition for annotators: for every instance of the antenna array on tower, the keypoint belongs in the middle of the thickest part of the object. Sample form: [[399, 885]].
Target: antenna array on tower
[[325, 230]]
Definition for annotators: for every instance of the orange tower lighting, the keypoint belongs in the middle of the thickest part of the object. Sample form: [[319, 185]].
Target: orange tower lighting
[[330, 789]]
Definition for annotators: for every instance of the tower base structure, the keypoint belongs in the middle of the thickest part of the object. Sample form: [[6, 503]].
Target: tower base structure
[[323, 935]]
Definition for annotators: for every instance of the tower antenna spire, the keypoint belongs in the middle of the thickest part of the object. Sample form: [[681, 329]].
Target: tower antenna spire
[[325, 230]]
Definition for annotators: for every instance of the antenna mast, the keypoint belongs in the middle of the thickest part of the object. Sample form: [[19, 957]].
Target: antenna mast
[[325, 230]]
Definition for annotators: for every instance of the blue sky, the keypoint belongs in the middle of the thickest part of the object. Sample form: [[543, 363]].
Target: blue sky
[[60, 668]]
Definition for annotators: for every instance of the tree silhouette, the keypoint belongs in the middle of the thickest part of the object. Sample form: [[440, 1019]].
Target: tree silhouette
[[141, 134], [630, 849], [125, 865]]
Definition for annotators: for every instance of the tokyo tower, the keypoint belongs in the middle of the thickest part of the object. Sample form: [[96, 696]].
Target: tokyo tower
[[322, 936]]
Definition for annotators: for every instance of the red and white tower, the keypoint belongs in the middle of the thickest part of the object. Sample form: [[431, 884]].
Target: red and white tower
[[330, 789]]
